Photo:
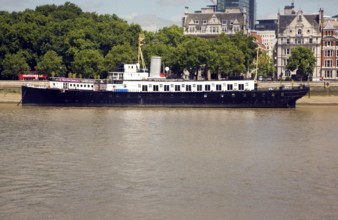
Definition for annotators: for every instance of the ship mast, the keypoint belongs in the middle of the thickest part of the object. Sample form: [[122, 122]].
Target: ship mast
[[140, 58]]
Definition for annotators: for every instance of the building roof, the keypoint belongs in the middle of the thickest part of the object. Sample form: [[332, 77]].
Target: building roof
[[286, 20], [234, 17], [328, 26]]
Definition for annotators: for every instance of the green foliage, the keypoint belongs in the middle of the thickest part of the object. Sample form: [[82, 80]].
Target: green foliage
[[89, 63], [65, 29], [265, 64], [52, 36], [120, 54], [226, 58], [50, 63], [13, 64], [303, 60]]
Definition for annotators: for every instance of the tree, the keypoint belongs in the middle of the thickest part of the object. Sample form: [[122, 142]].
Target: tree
[[89, 63], [226, 57], [303, 60], [120, 54], [50, 62], [13, 64], [191, 54], [265, 64]]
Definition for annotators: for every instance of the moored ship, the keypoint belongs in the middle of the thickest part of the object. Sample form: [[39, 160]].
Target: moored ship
[[136, 87]]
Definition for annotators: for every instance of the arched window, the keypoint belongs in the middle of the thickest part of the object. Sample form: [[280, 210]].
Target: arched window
[[299, 31]]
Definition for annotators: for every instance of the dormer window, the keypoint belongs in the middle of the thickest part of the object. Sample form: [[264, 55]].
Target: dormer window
[[197, 22], [299, 31], [299, 18]]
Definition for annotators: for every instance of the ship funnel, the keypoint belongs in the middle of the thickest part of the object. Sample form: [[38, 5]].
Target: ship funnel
[[155, 67]]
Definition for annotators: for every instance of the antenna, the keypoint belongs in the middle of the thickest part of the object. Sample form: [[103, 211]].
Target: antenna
[[140, 58]]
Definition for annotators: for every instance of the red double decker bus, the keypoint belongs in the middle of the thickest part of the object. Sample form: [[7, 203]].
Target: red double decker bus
[[32, 75]]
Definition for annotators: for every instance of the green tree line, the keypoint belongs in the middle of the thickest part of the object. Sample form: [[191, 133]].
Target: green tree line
[[63, 40]]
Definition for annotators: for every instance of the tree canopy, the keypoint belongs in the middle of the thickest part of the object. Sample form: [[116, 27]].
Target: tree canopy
[[302, 59], [58, 40]]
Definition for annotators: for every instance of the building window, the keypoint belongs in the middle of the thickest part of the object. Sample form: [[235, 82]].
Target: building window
[[155, 88], [241, 86], [177, 88], [218, 87], [166, 88], [144, 88], [328, 53], [328, 43], [197, 22], [230, 87], [328, 63], [310, 40], [287, 51], [328, 74], [299, 31], [224, 22], [288, 41], [299, 41], [205, 22], [188, 88], [199, 87], [207, 87]]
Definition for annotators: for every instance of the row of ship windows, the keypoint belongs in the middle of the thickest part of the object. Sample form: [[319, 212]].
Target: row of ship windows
[[177, 88], [81, 85], [78, 85], [188, 88]]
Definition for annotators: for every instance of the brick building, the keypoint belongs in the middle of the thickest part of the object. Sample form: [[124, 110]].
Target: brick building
[[329, 70]]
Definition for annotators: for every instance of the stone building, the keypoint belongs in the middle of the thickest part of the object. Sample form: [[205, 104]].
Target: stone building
[[329, 70], [247, 5], [209, 23], [298, 29]]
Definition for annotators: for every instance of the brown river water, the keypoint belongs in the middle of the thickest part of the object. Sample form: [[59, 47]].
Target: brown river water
[[157, 163]]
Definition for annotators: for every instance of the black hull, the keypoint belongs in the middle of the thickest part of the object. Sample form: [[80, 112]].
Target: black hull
[[282, 98]]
